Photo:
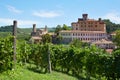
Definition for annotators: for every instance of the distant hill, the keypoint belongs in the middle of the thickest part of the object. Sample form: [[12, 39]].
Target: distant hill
[[22, 33], [8, 28]]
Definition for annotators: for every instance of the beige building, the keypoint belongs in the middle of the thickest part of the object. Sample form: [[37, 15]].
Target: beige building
[[86, 30], [37, 33]]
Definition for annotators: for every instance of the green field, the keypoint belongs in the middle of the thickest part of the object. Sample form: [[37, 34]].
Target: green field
[[25, 74]]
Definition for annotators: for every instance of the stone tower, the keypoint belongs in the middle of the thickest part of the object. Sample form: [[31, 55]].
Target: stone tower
[[34, 27], [85, 16]]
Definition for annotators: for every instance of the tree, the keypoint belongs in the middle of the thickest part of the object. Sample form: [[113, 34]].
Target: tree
[[58, 39], [46, 38], [116, 64], [76, 43], [110, 26], [7, 28], [117, 38], [65, 27], [57, 29]]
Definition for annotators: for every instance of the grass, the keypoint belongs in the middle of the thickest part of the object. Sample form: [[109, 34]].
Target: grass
[[25, 74], [25, 30]]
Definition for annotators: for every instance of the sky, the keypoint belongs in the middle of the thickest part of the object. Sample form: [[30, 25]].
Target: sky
[[56, 12]]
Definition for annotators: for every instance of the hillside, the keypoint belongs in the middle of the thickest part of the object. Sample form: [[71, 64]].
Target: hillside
[[22, 33], [25, 74], [25, 30]]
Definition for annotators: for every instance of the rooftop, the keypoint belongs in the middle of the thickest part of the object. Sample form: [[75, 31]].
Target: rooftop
[[103, 41]]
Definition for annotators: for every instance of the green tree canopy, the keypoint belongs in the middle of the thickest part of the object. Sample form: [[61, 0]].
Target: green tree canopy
[[110, 26], [76, 43], [65, 27], [117, 38], [57, 29], [46, 38], [8, 28]]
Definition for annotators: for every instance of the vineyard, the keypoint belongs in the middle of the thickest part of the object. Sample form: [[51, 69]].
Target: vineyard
[[87, 62]]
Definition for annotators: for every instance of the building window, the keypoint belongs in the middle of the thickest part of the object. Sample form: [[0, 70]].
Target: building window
[[76, 34]]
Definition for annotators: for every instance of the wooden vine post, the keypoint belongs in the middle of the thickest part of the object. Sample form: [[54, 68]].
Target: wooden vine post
[[49, 62], [14, 41]]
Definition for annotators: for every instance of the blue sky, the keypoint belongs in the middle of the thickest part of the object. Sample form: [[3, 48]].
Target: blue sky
[[54, 12]]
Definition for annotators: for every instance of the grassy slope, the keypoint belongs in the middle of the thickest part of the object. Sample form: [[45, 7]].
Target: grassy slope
[[25, 74], [26, 30], [4, 34]]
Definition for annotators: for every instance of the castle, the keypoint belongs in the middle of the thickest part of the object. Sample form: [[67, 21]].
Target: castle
[[88, 30]]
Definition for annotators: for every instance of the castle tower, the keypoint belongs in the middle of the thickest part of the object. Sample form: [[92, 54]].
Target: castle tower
[[85, 16], [99, 19], [34, 27]]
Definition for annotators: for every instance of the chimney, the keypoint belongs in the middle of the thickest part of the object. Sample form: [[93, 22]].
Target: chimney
[[85, 16], [34, 27], [99, 19]]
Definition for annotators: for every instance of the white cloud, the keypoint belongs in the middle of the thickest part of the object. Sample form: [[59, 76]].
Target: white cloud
[[21, 23], [6, 21], [13, 9], [113, 16], [47, 14]]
